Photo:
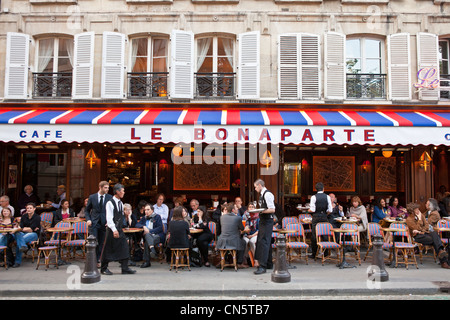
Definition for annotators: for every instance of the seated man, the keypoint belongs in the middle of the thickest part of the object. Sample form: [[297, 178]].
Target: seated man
[[230, 237], [420, 231], [4, 203], [26, 197], [153, 232], [30, 225]]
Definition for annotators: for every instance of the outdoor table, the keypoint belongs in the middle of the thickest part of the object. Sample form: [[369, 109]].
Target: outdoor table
[[306, 221], [9, 230], [347, 220], [133, 232], [280, 273], [194, 230], [393, 242], [44, 208], [344, 264], [60, 230], [73, 220], [394, 220]]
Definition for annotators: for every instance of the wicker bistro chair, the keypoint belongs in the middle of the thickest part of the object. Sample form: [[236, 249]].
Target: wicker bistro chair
[[323, 229], [54, 240], [212, 227], [296, 241], [179, 258], [373, 229], [302, 216], [443, 224], [79, 235], [286, 220], [405, 246], [5, 260], [351, 239]]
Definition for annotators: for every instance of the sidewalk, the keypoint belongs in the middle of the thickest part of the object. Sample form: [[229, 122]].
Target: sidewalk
[[306, 280]]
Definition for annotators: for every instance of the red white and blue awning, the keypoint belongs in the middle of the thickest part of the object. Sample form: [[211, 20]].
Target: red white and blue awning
[[225, 126]]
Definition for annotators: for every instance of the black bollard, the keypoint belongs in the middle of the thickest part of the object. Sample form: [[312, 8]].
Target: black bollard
[[91, 274], [378, 272], [280, 273]]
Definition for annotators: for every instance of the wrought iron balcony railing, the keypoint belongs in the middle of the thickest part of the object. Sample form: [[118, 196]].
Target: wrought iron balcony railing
[[52, 85], [366, 86], [444, 81], [215, 85], [146, 85]]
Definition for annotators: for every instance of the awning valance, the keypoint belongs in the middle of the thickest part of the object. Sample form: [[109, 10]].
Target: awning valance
[[226, 126]]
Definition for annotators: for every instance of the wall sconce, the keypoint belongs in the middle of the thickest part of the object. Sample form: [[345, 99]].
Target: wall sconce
[[91, 157], [266, 158], [177, 151], [425, 159], [304, 163], [365, 164], [162, 149]]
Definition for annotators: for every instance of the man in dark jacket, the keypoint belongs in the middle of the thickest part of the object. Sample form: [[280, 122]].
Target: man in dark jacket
[[153, 232], [96, 214]]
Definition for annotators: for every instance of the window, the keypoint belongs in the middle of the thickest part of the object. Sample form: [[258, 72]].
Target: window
[[364, 62], [149, 67], [215, 67], [444, 74], [54, 68]]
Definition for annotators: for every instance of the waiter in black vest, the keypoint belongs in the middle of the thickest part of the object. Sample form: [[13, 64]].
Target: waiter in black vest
[[263, 252], [320, 204], [115, 247]]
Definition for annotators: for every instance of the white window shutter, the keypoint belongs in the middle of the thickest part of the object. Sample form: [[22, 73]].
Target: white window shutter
[[83, 66], [182, 65], [249, 65], [335, 78], [16, 70], [310, 66], [288, 66], [113, 58], [428, 57], [399, 66]]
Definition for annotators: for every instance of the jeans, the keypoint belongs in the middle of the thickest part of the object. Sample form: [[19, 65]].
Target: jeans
[[22, 239]]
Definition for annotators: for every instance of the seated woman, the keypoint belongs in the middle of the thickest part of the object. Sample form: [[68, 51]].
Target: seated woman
[[63, 212], [419, 229], [396, 209], [200, 221], [380, 211], [251, 228], [432, 214], [153, 232], [358, 211], [178, 230], [7, 222], [230, 237]]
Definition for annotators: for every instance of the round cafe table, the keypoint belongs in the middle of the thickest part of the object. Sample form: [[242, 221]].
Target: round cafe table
[[194, 230], [9, 230], [73, 220], [60, 230], [133, 232], [344, 264]]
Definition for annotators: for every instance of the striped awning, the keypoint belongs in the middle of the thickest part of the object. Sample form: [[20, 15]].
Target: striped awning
[[228, 117], [225, 126]]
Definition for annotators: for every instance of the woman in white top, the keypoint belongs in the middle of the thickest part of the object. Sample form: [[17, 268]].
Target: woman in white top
[[358, 211], [162, 209]]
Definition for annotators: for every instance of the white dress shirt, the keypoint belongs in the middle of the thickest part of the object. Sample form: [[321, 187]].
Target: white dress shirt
[[269, 197], [110, 213], [163, 211]]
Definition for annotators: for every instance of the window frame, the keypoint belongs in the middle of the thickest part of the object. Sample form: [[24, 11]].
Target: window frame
[[56, 43], [215, 47], [363, 56], [150, 57]]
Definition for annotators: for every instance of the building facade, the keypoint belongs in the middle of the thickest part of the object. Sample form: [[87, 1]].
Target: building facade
[[369, 78]]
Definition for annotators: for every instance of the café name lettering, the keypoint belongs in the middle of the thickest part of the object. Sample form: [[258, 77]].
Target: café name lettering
[[264, 135]]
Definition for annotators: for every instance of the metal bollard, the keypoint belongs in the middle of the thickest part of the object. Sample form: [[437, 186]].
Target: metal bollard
[[379, 273], [280, 273], [91, 273]]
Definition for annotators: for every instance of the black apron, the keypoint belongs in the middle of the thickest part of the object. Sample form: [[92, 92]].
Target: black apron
[[116, 249]]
